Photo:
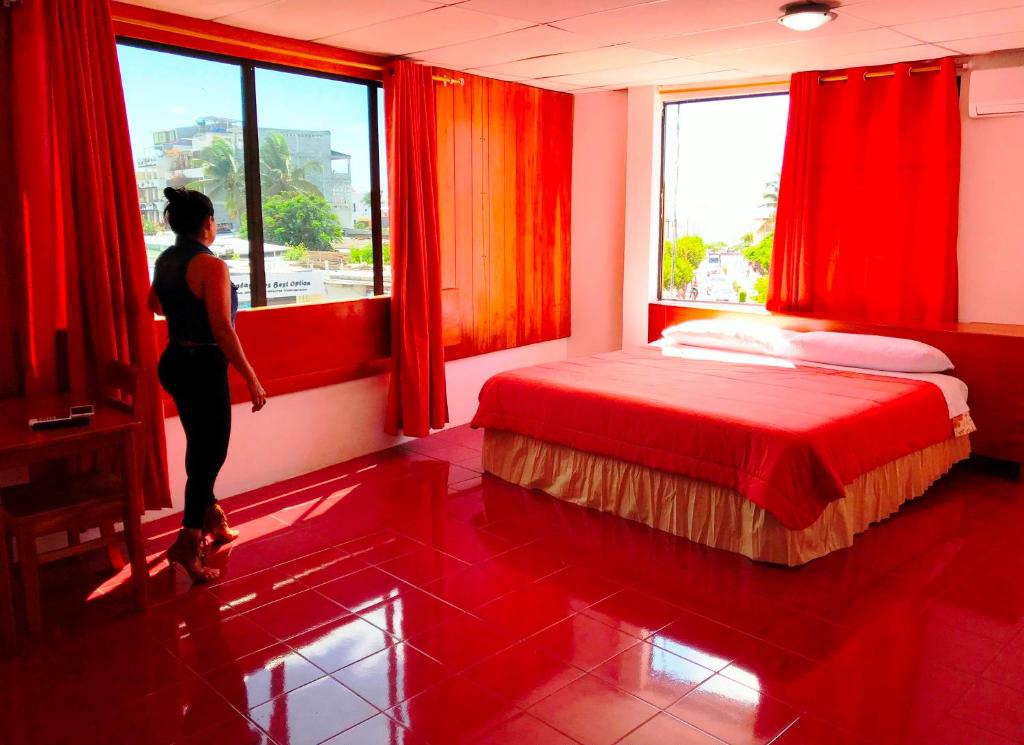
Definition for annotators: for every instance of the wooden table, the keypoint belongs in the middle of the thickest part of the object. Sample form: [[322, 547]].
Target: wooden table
[[21, 446]]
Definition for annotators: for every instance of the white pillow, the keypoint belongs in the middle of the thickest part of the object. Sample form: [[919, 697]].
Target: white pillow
[[868, 351], [733, 335]]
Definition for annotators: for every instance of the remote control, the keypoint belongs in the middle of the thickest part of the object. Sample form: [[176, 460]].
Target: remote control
[[56, 422]]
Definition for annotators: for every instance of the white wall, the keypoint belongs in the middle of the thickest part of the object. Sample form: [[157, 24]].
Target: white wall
[[643, 177], [991, 243], [295, 433], [301, 432], [598, 221]]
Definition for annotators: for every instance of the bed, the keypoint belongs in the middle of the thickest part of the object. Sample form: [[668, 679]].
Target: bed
[[779, 460]]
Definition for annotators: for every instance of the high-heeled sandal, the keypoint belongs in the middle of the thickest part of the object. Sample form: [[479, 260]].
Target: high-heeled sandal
[[187, 553], [216, 525]]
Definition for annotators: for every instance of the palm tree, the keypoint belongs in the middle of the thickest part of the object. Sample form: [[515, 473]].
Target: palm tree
[[277, 172], [223, 175], [771, 201], [771, 194]]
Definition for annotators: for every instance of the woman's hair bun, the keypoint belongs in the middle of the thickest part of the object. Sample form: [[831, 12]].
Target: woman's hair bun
[[186, 210]]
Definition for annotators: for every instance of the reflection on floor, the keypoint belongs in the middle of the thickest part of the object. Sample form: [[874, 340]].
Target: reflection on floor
[[405, 598]]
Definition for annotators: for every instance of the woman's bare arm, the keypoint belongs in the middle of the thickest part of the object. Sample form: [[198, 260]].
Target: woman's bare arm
[[216, 292]]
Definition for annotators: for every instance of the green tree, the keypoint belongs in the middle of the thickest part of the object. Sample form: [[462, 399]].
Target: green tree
[[761, 290], [680, 259], [365, 255], [149, 227], [296, 253], [278, 175], [294, 219], [223, 175], [760, 254]]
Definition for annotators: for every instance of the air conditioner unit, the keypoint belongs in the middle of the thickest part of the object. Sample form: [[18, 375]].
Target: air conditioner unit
[[996, 92]]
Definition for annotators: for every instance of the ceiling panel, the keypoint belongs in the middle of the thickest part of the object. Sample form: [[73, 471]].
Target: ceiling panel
[[741, 37], [535, 41], [671, 18], [968, 26], [634, 74], [314, 19], [555, 85], [608, 43], [806, 54], [204, 9], [435, 28], [710, 78], [893, 12], [545, 11], [985, 44], [884, 57], [606, 58], [497, 76]]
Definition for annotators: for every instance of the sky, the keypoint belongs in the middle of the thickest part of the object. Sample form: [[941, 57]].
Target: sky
[[165, 90], [727, 150]]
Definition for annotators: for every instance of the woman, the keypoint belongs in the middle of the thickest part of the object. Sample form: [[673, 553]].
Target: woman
[[192, 288]]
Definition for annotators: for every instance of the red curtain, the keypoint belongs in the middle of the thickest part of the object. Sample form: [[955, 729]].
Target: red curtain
[[72, 246], [417, 399], [867, 214]]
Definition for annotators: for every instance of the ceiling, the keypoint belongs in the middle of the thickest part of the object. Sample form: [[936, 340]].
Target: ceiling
[[581, 45]]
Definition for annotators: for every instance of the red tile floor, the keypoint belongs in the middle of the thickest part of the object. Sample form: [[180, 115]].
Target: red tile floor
[[405, 598]]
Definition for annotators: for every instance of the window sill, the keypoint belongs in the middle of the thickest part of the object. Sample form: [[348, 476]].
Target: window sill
[[299, 347], [758, 310]]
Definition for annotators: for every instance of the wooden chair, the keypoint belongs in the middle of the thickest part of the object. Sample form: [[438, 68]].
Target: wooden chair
[[69, 503]]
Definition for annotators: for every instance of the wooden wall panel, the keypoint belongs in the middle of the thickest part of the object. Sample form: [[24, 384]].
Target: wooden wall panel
[[989, 357], [505, 179]]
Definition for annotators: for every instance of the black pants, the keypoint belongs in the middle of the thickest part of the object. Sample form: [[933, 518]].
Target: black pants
[[197, 379]]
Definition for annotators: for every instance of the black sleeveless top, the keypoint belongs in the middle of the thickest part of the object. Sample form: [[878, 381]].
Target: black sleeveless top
[[187, 320]]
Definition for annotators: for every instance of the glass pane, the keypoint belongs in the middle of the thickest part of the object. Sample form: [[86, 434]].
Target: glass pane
[[315, 176], [721, 173], [185, 122]]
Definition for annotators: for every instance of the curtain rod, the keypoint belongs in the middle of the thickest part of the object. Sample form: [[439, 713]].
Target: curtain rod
[[728, 87], [885, 73], [446, 80]]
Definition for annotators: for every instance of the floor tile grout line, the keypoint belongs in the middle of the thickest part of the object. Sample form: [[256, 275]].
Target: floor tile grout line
[[952, 712]]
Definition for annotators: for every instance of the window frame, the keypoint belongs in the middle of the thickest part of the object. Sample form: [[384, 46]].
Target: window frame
[[740, 307], [250, 139]]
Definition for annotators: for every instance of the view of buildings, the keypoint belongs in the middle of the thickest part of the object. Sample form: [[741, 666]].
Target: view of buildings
[[721, 170], [208, 156]]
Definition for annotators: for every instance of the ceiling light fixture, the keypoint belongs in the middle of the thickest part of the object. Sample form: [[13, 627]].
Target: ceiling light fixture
[[806, 16]]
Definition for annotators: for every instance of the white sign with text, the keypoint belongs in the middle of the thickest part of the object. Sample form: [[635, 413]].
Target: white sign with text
[[282, 285]]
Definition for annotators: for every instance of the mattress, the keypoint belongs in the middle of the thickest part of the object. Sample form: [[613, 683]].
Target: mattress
[[788, 438]]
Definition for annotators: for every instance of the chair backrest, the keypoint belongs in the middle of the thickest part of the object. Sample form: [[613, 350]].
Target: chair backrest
[[123, 387]]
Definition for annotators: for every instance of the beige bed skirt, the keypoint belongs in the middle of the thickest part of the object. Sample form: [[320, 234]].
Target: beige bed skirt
[[713, 515]]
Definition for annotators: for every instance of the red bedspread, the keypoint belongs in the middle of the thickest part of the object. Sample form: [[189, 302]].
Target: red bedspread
[[788, 439]]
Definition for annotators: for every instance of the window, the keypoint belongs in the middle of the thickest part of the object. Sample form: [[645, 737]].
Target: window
[[306, 148], [720, 183]]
